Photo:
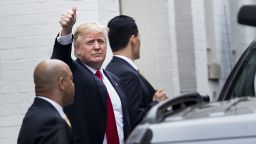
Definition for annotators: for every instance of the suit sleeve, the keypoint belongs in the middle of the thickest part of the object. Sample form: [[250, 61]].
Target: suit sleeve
[[137, 108], [62, 52]]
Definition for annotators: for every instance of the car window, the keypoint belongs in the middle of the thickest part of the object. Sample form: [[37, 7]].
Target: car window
[[254, 83], [245, 84]]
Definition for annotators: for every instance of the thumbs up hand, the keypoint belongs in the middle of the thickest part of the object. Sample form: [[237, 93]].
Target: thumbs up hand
[[67, 21]]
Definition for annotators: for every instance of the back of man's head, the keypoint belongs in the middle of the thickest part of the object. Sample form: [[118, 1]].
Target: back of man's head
[[121, 28], [46, 75]]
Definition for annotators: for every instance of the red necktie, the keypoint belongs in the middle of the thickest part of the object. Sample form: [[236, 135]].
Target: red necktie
[[111, 130]]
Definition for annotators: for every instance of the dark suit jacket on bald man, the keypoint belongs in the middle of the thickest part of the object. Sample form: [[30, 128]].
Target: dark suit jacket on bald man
[[43, 124]]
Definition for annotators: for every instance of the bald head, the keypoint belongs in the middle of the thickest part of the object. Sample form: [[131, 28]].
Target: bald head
[[47, 72], [53, 79]]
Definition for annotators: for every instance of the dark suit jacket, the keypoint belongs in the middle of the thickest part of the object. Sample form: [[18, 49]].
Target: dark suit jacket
[[43, 124], [89, 111], [138, 90]]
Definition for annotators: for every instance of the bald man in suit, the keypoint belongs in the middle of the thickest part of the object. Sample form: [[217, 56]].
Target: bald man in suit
[[45, 122]]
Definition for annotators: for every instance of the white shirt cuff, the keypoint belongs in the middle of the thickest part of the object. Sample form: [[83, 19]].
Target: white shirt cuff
[[64, 40]]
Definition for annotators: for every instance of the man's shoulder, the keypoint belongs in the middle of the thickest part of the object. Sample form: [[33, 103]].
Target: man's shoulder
[[126, 75], [40, 116], [111, 74], [119, 68]]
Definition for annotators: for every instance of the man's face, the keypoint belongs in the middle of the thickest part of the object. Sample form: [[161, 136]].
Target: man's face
[[136, 47], [69, 88], [93, 49]]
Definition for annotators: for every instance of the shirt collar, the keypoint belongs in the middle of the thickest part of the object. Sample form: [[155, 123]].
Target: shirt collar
[[94, 70], [131, 62], [54, 104]]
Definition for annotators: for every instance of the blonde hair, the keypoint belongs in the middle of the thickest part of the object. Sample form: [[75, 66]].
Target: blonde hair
[[88, 27]]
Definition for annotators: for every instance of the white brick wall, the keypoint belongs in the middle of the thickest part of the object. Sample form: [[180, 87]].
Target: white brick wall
[[221, 9], [175, 82], [199, 34], [165, 67], [28, 29], [185, 45]]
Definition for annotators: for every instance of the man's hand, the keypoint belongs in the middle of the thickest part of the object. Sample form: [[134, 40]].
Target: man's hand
[[159, 95], [67, 20]]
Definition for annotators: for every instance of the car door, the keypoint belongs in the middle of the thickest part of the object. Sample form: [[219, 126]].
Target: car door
[[241, 80]]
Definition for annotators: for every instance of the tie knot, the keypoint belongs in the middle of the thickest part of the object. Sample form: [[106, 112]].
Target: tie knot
[[99, 75]]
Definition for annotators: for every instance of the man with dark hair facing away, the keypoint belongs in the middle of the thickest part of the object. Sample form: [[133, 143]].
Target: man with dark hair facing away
[[125, 44]]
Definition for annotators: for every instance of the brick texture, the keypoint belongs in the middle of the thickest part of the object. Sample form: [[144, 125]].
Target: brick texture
[[28, 29]]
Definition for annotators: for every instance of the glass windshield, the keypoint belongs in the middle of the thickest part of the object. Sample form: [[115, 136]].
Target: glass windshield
[[245, 84]]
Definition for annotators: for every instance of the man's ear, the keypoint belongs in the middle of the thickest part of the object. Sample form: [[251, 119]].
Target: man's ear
[[77, 50], [61, 83], [132, 39]]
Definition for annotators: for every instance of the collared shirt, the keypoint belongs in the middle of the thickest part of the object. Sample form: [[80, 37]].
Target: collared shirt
[[115, 99], [131, 62], [55, 105], [64, 40]]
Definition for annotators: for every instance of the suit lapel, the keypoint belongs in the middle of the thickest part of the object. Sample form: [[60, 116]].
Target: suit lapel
[[101, 87], [118, 90], [115, 85], [102, 91]]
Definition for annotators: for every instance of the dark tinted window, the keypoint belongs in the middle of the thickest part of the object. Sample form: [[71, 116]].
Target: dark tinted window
[[244, 85]]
